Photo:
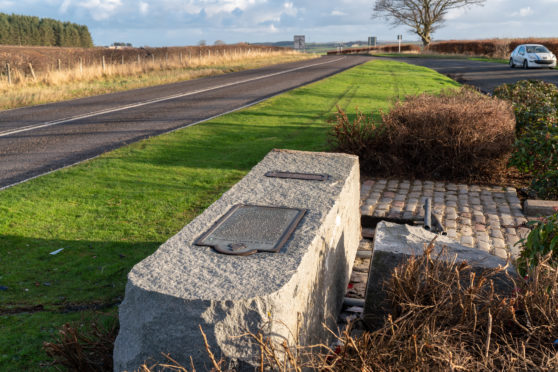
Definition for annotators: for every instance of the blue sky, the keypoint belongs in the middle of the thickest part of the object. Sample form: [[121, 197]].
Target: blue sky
[[185, 22]]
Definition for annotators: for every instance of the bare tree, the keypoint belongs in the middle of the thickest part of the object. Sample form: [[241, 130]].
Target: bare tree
[[422, 16]]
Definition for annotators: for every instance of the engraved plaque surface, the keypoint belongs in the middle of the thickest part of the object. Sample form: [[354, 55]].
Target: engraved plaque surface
[[247, 229], [298, 176]]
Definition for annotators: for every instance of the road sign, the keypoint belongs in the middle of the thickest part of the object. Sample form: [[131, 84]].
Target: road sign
[[299, 42], [372, 41]]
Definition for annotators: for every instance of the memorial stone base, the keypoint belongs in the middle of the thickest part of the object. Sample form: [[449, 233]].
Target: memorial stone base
[[239, 283]]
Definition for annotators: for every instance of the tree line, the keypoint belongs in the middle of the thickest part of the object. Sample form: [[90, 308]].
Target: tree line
[[29, 30]]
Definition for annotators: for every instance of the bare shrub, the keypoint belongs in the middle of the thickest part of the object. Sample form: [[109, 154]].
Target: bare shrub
[[85, 347], [447, 317], [455, 135]]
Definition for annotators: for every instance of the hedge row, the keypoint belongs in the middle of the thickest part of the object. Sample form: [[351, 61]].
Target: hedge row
[[496, 48]]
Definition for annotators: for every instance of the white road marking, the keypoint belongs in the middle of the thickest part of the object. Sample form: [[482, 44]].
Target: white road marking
[[149, 102], [158, 134]]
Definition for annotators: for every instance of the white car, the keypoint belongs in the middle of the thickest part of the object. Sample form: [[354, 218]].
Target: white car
[[532, 55]]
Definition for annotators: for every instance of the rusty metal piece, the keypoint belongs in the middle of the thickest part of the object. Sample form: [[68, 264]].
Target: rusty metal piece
[[247, 229], [298, 176]]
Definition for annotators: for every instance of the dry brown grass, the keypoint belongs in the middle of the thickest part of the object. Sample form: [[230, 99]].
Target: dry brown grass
[[82, 72], [85, 347], [446, 317], [454, 136]]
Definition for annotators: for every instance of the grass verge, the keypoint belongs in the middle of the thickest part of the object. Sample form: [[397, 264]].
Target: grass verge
[[441, 56], [109, 213]]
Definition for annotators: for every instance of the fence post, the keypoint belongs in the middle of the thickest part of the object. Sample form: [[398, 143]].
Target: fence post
[[180, 57], [80, 65], [153, 58], [9, 72], [32, 71], [59, 64], [139, 61], [104, 64], [122, 62]]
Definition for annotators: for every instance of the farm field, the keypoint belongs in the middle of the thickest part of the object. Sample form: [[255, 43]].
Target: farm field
[[111, 212], [37, 75]]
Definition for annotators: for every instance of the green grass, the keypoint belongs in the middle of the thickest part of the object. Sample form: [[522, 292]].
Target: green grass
[[111, 212], [440, 56], [487, 59]]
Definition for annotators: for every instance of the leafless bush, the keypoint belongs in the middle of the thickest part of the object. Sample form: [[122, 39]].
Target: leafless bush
[[85, 347], [455, 135], [446, 317]]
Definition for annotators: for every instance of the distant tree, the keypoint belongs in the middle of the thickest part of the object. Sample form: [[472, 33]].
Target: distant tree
[[422, 16], [219, 42], [202, 43], [26, 30]]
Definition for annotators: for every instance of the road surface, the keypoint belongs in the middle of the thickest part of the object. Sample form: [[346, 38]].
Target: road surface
[[40, 139], [484, 75]]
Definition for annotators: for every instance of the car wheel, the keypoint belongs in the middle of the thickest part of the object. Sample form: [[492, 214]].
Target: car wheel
[[512, 65], [525, 65]]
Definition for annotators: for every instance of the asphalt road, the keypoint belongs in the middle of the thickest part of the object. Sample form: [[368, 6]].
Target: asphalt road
[[40, 139], [484, 75]]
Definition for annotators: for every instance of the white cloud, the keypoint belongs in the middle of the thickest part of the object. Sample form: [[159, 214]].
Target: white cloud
[[143, 7], [99, 9], [289, 9], [337, 13], [523, 12]]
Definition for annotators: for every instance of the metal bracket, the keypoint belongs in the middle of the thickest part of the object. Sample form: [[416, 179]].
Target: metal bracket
[[298, 176], [431, 221]]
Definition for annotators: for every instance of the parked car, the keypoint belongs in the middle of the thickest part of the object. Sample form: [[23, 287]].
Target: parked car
[[532, 55]]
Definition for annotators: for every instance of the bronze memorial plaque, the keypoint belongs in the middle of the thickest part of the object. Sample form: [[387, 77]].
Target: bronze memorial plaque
[[247, 229], [298, 176]]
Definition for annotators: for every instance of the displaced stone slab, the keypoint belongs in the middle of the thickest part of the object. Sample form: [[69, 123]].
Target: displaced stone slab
[[182, 286], [457, 206], [394, 243], [538, 208]]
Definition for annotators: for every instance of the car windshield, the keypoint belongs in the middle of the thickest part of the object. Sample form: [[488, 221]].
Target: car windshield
[[537, 49]]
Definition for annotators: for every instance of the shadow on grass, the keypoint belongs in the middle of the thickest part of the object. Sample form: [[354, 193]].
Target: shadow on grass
[[80, 273]]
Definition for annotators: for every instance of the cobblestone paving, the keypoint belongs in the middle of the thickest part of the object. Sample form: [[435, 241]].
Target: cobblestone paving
[[484, 217]]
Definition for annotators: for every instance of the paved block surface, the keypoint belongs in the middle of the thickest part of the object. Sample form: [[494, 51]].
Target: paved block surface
[[489, 218]]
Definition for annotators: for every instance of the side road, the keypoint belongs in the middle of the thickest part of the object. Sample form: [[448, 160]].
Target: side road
[[484, 75]]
